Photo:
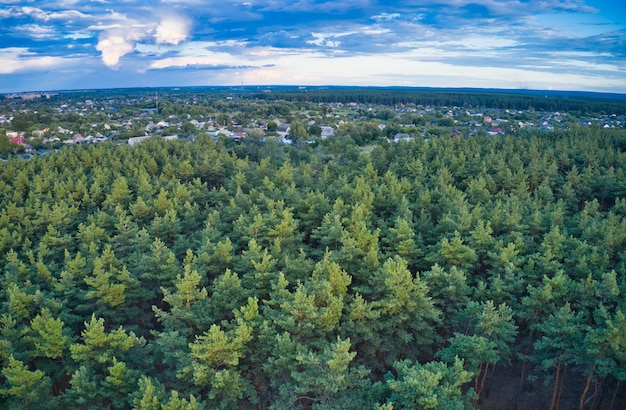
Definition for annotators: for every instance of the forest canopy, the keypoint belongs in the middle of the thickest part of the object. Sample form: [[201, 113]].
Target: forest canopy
[[229, 275]]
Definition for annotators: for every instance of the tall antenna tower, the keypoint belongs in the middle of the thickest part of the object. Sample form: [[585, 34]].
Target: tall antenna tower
[[157, 101]]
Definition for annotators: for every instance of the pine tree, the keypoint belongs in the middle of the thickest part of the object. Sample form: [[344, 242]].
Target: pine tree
[[408, 315], [485, 335], [434, 385], [555, 349], [152, 396], [49, 336], [26, 389], [216, 361], [325, 379], [185, 304], [104, 376]]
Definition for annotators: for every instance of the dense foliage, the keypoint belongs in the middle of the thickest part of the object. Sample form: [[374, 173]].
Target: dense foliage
[[176, 275], [580, 103]]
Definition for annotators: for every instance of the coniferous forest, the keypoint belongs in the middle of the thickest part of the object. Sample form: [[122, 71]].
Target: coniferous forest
[[448, 273]]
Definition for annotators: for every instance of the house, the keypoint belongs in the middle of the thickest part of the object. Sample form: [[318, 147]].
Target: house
[[495, 131], [283, 129], [137, 140], [327, 132], [51, 140], [17, 140], [402, 136], [237, 134]]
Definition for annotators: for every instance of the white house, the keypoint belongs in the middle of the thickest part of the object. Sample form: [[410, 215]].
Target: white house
[[327, 132], [137, 140]]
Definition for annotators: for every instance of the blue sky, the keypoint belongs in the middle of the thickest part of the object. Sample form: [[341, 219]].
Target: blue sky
[[528, 44]]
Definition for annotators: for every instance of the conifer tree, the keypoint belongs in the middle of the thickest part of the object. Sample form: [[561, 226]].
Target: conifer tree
[[25, 389], [408, 315], [434, 385]]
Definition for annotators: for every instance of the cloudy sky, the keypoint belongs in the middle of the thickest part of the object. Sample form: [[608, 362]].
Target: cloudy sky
[[529, 44]]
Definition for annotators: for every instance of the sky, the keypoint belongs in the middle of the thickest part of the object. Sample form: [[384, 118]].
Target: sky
[[515, 44]]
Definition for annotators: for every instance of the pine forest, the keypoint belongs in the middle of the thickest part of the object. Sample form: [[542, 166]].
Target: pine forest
[[448, 272]]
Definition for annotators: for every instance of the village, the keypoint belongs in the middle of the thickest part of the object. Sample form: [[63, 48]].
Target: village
[[36, 123]]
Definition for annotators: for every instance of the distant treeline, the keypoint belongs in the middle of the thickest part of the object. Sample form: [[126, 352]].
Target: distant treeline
[[460, 98], [580, 103]]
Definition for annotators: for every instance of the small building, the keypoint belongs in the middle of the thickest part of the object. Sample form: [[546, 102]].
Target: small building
[[17, 140], [401, 136], [137, 140], [283, 129], [327, 132]]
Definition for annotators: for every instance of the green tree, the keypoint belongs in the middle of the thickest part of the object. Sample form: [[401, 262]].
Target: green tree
[[433, 385], [185, 304], [556, 348], [272, 126], [112, 286], [455, 253], [120, 194], [325, 380], [217, 357], [485, 338], [297, 131], [408, 315], [26, 389], [50, 338], [450, 292], [152, 396], [103, 377], [402, 242]]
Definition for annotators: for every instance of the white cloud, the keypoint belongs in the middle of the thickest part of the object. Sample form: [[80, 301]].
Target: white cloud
[[484, 42], [198, 53], [120, 34], [328, 39], [40, 14], [77, 35], [190, 61], [172, 30], [36, 31], [66, 15], [375, 31], [386, 16], [272, 53], [435, 39], [113, 47], [20, 59]]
